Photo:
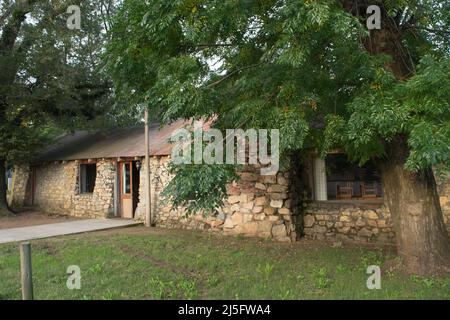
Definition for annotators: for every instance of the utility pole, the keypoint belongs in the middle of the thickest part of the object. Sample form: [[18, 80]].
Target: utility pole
[[148, 210]]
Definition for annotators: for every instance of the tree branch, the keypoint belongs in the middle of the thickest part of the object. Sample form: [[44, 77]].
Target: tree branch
[[431, 30], [12, 28], [232, 73]]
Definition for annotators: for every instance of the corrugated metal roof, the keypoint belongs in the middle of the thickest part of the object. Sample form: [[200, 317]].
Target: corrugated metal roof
[[114, 143]]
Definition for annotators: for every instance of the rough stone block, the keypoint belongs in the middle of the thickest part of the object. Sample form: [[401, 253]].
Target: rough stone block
[[370, 214], [233, 199], [268, 179], [260, 186], [278, 196], [269, 210], [282, 180], [247, 176], [237, 218], [360, 222], [257, 209], [276, 203], [277, 188], [261, 201], [248, 205], [320, 229], [309, 221], [364, 232], [279, 231]]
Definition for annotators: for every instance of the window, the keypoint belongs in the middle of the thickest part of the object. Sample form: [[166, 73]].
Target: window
[[338, 179], [126, 171], [88, 174]]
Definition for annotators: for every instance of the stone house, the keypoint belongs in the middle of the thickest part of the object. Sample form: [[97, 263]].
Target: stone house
[[101, 175]]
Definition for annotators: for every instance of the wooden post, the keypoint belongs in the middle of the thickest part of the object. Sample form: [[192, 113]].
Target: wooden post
[[25, 270], [148, 202]]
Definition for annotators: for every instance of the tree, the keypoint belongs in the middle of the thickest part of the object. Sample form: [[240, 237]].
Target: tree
[[51, 79], [313, 70]]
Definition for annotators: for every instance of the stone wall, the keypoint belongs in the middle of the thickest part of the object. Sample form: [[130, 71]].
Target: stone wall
[[159, 176], [443, 187], [57, 190], [20, 189], [362, 222], [267, 206], [260, 206], [348, 222], [256, 206]]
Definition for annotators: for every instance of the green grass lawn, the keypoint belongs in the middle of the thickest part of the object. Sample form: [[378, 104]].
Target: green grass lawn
[[138, 263]]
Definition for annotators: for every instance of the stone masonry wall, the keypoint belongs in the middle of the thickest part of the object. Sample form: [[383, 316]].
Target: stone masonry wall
[[256, 206], [260, 206], [57, 190], [159, 176], [20, 185], [362, 222], [348, 222], [266, 206], [443, 187]]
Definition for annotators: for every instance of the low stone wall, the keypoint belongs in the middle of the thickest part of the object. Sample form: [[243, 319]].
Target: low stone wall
[[348, 222], [257, 205], [356, 222]]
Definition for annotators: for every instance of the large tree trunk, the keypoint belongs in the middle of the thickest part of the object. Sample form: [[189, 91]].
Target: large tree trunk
[[4, 208], [412, 198], [8, 39]]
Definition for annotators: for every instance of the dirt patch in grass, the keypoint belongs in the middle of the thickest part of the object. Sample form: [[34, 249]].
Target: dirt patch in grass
[[154, 261], [28, 218]]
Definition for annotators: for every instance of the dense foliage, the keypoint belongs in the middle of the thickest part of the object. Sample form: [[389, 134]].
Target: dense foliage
[[300, 66], [51, 78]]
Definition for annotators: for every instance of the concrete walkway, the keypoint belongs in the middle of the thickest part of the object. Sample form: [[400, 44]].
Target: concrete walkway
[[60, 229]]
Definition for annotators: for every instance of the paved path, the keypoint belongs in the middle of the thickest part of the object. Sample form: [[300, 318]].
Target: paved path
[[64, 228]]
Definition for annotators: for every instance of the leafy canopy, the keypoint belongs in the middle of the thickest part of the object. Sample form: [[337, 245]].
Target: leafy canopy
[[298, 66], [51, 78]]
